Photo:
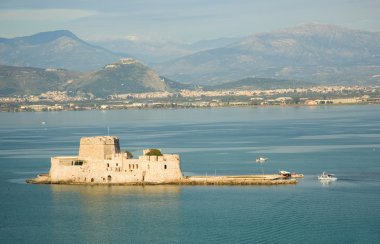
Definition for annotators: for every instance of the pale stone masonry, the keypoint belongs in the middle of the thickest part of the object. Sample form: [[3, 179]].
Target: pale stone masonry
[[101, 161]]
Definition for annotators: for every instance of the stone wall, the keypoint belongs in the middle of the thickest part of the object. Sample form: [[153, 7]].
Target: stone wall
[[161, 168]]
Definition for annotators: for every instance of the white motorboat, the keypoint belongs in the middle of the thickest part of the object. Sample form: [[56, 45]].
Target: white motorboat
[[327, 177], [285, 173], [261, 160]]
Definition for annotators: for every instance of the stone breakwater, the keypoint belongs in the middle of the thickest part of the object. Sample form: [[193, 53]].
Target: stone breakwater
[[237, 180], [190, 180]]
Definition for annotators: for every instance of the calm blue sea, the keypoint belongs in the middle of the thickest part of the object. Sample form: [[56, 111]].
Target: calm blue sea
[[344, 140]]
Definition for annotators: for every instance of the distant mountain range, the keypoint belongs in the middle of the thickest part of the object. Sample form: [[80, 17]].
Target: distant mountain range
[[55, 49], [314, 52]]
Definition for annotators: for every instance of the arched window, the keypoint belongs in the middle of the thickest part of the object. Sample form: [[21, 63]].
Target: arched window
[[165, 166], [109, 178]]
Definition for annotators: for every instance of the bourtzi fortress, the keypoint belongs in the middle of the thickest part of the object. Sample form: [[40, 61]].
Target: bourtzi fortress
[[101, 161]]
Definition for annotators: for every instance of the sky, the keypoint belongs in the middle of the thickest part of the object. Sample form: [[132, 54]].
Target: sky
[[179, 20]]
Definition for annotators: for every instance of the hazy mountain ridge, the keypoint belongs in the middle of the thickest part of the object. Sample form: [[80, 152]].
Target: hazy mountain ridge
[[58, 49], [156, 51], [320, 54], [314, 52]]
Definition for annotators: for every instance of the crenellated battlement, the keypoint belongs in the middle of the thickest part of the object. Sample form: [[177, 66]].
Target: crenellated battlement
[[163, 158]]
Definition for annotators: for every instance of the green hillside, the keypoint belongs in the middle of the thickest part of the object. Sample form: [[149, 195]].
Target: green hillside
[[126, 76], [32, 81]]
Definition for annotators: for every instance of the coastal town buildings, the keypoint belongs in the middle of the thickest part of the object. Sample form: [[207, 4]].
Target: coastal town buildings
[[319, 95]]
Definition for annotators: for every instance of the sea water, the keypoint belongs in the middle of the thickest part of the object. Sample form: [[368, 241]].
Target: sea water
[[344, 140]]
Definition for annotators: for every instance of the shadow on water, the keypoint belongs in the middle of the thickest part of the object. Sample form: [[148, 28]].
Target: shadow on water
[[112, 190], [128, 209]]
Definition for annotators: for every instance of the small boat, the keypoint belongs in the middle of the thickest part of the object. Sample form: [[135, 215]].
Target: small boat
[[261, 160], [285, 173], [327, 177]]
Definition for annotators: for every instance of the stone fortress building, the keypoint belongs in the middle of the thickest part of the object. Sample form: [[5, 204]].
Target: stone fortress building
[[101, 161]]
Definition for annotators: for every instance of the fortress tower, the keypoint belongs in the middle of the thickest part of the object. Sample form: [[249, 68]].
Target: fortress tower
[[100, 147]]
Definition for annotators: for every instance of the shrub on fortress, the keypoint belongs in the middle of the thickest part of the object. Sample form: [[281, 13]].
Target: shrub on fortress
[[154, 152], [129, 154]]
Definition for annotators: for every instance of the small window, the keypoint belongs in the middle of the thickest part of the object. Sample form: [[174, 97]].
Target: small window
[[92, 179], [117, 165], [109, 178], [137, 166], [108, 165], [78, 162], [165, 166]]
